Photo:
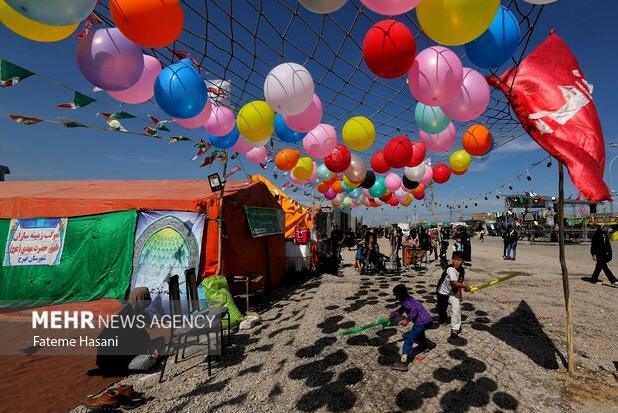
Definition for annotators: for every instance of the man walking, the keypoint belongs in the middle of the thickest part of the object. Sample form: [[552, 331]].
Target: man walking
[[601, 250], [512, 236]]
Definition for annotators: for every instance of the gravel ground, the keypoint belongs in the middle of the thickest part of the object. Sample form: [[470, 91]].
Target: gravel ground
[[510, 356]]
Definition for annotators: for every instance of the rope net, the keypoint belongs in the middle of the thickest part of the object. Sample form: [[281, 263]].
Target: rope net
[[242, 40]]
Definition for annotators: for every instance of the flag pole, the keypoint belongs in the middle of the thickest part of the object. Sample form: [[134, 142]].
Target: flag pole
[[565, 271], [220, 217]]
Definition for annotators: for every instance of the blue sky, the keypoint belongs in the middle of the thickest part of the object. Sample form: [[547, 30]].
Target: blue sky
[[47, 151]]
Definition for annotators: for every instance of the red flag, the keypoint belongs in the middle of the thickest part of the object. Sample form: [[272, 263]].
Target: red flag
[[553, 102]]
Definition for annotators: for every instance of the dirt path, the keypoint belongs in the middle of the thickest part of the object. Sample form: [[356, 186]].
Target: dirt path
[[509, 357]]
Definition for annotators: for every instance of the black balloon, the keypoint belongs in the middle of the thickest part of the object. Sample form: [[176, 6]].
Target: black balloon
[[408, 183], [370, 179]]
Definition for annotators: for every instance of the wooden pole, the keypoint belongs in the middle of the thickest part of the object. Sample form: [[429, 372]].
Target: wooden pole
[[565, 271], [220, 217]]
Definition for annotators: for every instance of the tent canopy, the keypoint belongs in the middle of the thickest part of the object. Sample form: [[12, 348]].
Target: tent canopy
[[33, 199], [295, 213]]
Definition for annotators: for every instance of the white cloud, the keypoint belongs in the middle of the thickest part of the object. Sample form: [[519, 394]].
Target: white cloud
[[518, 145]]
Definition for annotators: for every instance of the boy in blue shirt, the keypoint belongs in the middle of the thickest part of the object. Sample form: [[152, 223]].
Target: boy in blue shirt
[[420, 318]]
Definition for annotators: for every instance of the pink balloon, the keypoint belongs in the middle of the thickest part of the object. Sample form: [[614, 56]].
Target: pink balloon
[[428, 177], [241, 145], [221, 121], [330, 194], [257, 155], [366, 192], [441, 141], [143, 89], [314, 174], [198, 120], [320, 141], [390, 7], [308, 119], [393, 181], [402, 196], [436, 76], [471, 100]]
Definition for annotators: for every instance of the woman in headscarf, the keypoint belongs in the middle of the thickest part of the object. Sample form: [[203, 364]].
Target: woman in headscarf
[[135, 349]]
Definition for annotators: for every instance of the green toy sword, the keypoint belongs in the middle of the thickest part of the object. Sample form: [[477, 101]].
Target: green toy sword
[[379, 322]]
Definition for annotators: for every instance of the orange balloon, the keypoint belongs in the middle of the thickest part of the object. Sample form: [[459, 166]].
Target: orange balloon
[[337, 187], [477, 140], [323, 187], [419, 190], [459, 172], [286, 159], [149, 23], [332, 180]]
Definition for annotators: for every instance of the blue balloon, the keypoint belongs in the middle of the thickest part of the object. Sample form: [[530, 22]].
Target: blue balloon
[[284, 132], [180, 90], [323, 173], [430, 119], [498, 43], [346, 188], [54, 12], [225, 141], [356, 193], [379, 188]]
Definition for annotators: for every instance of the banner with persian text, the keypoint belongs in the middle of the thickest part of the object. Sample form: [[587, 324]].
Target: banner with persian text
[[38, 241]]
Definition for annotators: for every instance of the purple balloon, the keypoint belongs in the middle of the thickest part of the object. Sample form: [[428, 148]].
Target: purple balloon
[[330, 194], [436, 76], [439, 142], [109, 60], [472, 99]]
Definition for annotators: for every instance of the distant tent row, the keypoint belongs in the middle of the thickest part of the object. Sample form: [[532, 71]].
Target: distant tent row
[[95, 223]]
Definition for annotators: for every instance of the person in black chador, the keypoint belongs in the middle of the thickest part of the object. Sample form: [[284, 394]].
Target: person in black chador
[[601, 250]]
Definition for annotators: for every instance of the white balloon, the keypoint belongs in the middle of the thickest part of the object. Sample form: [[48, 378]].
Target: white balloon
[[323, 6], [289, 89], [540, 1], [415, 173]]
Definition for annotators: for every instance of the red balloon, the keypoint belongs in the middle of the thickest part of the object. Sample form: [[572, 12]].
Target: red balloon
[[393, 201], [419, 196], [397, 152], [389, 49], [339, 159], [441, 173], [418, 154], [386, 197], [332, 179], [378, 163], [323, 187]]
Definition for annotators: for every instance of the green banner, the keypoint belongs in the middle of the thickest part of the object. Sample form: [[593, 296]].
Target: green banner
[[264, 221], [96, 263]]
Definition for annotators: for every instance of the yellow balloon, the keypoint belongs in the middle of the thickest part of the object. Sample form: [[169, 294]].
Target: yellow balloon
[[460, 160], [256, 120], [358, 133], [31, 29], [304, 168], [349, 183], [456, 22]]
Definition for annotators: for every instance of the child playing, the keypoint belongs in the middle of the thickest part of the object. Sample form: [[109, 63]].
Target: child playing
[[458, 245], [450, 291], [419, 316]]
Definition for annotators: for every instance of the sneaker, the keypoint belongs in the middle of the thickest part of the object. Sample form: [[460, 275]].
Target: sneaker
[[399, 366]]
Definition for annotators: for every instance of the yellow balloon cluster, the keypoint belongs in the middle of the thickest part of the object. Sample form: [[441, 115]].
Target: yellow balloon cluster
[[256, 120], [408, 201], [460, 161], [358, 133], [303, 168], [31, 29], [456, 22]]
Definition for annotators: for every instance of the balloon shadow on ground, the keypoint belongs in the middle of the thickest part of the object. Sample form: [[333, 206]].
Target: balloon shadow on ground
[[522, 331]]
